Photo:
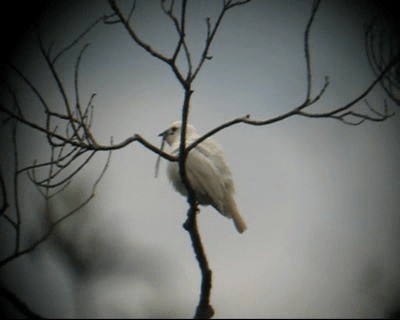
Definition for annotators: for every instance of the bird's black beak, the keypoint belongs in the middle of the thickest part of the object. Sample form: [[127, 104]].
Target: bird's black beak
[[163, 134]]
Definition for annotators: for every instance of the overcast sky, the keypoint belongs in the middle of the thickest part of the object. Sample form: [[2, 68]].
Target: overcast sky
[[320, 198]]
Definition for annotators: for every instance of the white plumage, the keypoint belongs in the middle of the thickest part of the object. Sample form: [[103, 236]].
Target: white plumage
[[207, 171]]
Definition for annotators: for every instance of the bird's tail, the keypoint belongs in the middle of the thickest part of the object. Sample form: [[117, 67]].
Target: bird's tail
[[233, 212]]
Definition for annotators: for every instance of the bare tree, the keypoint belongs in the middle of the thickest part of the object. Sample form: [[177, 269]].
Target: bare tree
[[73, 143]]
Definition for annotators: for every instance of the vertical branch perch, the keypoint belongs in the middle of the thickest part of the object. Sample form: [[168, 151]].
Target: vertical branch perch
[[204, 310]]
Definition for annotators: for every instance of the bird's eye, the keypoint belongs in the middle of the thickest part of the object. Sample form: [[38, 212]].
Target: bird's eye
[[173, 129]]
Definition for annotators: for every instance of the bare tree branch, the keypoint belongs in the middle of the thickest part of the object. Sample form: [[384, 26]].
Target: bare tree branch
[[141, 43], [99, 147], [20, 305], [211, 32], [204, 309], [65, 149], [307, 49], [344, 113], [15, 191], [74, 42], [381, 45], [4, 205], [57, 222], [180, 29]]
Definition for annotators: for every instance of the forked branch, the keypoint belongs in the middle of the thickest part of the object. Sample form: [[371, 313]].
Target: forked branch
[[386, 75]]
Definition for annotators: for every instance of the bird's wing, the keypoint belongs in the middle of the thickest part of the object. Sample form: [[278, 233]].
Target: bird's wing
[[205, 178], [213, 151]]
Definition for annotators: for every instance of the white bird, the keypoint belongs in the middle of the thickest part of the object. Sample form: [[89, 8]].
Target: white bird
[[207, 171]]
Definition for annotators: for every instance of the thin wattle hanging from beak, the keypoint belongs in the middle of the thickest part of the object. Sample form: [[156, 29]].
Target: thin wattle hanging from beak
[[163, 135]]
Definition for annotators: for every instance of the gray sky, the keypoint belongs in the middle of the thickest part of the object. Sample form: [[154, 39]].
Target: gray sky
[[320, 198]]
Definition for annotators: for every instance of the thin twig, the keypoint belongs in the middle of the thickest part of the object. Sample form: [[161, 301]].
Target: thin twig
[[47, 234], [99, 147], [15, 184], [4, 205], [307, 49], [19, 304], [76, 40]]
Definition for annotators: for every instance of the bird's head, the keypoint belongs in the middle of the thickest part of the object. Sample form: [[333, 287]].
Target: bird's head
[[173, 133]]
